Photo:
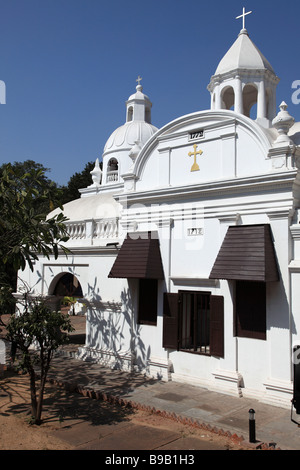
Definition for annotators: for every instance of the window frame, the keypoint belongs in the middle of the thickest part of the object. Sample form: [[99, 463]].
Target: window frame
[[171, 322], [189, 320]]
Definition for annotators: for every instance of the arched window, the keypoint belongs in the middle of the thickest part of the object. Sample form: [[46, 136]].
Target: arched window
[[112, 174], [130, 114], [148, 115]]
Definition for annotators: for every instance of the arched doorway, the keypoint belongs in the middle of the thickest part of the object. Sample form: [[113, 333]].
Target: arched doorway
[[66, 287]]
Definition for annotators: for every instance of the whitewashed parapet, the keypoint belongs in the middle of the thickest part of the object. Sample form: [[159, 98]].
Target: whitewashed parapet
[[101, 229], [106, 228], [76, 229]]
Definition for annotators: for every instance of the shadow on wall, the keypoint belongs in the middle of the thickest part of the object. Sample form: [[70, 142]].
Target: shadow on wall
[[113, 334]]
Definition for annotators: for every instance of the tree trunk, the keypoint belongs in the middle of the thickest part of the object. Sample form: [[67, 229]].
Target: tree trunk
[[44, 372], [33, 393]]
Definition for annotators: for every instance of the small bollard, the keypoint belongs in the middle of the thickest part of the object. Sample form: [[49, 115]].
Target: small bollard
[[252, 437]]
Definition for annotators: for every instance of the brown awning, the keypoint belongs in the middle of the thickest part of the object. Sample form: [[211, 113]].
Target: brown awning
[[248, 254], [139, 257]]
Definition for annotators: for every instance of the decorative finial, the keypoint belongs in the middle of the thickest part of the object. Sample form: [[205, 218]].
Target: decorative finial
[[283, 122], [243, 15], [96, 174]]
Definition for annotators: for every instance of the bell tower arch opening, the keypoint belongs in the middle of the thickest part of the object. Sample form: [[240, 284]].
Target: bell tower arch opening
[[112, 173], [250, 95], [228, 97]]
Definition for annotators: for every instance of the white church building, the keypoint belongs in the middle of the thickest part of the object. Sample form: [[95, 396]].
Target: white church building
[[185, 248]]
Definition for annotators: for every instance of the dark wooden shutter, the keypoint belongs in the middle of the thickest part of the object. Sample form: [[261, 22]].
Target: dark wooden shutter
[[217, 325], [170, 321]]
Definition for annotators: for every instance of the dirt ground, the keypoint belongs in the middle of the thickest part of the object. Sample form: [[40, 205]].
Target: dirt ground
[[62, 408]]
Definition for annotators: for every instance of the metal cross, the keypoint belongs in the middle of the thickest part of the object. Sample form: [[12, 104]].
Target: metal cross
[[139, 79], [194, 154], [244, 14]]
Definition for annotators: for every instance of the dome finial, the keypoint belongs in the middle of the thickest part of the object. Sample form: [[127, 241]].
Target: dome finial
[[139, 86], [243, 15]]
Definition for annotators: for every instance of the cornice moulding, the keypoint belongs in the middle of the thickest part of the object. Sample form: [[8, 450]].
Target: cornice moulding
[[261, 183]]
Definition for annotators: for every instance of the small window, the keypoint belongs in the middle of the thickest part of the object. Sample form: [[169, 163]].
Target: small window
[[251, 309], [112, 174], [130, 114], [147, 313]]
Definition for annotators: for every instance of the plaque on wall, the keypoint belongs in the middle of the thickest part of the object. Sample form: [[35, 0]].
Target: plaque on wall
[[195, 135]]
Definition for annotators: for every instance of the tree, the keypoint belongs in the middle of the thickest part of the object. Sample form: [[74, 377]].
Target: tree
[[37, 332], [21, 173], [25, 232]]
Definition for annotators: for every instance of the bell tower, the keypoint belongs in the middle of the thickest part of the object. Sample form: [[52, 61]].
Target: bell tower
[[138, 105], [245, 81]]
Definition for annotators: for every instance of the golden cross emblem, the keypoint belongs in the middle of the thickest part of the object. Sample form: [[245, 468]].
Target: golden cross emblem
[[194, 154]]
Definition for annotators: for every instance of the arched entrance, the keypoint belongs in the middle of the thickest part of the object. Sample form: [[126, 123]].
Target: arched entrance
[[66, 287]]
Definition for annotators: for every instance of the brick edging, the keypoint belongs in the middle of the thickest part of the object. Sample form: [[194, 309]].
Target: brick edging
[[116, 400]]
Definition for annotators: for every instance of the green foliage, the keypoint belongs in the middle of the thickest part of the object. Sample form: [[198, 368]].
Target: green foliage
[[29, 175], [78, 181], [37, 332], [24, 232]]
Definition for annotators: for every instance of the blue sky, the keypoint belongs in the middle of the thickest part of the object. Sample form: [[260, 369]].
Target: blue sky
[[70, 65]]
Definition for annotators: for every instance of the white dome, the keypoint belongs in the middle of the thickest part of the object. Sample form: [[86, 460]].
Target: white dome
[[100, 206], [125, 136], [243, 54]]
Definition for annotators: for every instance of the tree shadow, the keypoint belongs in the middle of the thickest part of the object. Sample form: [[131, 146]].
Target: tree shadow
[[60, 406], [114, 332]]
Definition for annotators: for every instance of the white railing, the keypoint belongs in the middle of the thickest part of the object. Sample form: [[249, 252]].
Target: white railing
[[76, 229], [112, 176], [93, 229], [106, 228]]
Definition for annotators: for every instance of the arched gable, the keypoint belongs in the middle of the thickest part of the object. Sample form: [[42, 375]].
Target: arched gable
[[222, 143]]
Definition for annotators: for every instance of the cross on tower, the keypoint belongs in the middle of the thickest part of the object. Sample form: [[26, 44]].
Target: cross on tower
[[139, 79], [244, 14], [194, 154]]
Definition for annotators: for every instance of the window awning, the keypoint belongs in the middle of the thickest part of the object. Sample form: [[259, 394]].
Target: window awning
[[247, 254], [139, 257]]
